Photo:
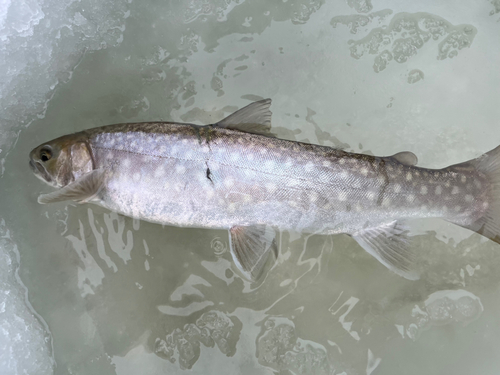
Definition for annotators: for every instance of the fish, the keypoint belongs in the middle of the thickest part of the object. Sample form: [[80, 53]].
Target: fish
[[237, 175]]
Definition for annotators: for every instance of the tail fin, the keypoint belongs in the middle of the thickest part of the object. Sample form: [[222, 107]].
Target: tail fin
[[489, 224]]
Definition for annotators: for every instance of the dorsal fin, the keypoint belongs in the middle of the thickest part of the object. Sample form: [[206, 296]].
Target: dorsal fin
[[254, 118], [406, 158]]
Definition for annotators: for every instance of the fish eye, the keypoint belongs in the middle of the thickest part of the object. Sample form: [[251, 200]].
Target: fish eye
[[45, 154]]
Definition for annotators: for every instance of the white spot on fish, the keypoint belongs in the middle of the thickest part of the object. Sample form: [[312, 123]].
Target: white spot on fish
[[463, 179], [477, 183], [485, 205], [209, 193], [458, 208], [455, 190], [232, 207], [269, 164], [469, 198], [159, 172], [313, 197], [136, 177], [410, 198], [249, 173], [180, 169], [184, 141], [342, 196], [110, 155], [397, 188], [381, 179], [178, 187], [271, 187], [309, 167], [228, 182], [250, 156], [409, 176], [364, 171], [438, 190], [447, 184], [162, 149], [358, 208], [371, 195], [326, 163], [386, 202], [234, 156], [341, 161], [423, 190], [126, 162], [247, 198]]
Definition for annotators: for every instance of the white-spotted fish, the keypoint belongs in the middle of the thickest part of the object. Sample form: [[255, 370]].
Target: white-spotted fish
[[236, 175]]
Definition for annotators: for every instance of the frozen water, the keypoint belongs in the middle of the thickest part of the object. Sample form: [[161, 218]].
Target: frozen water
[[86, 291], [25, 343], [41, 43]]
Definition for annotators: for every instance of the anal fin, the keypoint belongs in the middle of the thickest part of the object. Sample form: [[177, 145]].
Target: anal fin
[[251, 247], [82, 190], [389, 244]]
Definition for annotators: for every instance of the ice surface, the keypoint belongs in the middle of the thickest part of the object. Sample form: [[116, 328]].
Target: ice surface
[[41, 43], [25, 343], [91, 292]]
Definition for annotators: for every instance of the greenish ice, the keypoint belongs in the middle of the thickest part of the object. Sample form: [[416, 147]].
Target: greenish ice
[[86, 291]]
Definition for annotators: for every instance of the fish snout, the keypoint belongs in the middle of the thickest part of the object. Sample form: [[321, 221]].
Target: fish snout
[[32, 165]]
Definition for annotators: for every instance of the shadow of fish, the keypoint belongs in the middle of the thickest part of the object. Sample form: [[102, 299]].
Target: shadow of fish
[[236, 175]]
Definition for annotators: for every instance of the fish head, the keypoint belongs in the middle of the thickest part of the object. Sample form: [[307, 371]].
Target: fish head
[[62, 160]]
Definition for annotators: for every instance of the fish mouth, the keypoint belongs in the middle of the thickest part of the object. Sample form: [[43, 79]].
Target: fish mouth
[[40, 171]]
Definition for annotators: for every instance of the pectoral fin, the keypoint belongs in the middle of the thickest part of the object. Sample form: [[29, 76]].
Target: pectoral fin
[[251, 248], [81, 190], [254, 118], [406, 158], [389, 244]]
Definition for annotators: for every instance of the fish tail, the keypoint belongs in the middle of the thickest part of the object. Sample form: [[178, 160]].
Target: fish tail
[[488, 224]]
